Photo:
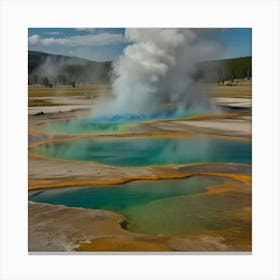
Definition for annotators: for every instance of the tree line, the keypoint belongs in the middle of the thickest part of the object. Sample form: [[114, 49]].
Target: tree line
[[219, 71], [51, 70]]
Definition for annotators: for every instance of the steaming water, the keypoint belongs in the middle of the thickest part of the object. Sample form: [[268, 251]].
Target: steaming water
[[83, 126], [153, 207], [144, 151], [159, 66], [114, 124]]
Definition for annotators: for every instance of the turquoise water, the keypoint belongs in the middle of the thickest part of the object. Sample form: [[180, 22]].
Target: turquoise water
[[145, 151], [111, 125], [82, 126], [154, 207]]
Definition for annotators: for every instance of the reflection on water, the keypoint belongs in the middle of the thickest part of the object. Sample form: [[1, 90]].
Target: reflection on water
[[155, 207], [142, 151]]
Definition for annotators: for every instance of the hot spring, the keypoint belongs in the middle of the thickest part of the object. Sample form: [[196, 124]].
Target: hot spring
[[147, 151], [84, 126], [116, 124], [169, 206]]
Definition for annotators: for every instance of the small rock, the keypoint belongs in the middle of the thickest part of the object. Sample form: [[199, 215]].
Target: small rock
[[39, 114]]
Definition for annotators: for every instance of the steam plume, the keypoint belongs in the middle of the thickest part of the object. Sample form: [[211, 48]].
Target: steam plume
[[155, 77]]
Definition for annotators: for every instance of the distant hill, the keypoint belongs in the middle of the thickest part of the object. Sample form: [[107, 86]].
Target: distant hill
[[50, 69], [226, 69]]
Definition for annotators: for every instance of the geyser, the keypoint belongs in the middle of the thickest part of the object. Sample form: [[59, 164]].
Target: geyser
[[156, 77]]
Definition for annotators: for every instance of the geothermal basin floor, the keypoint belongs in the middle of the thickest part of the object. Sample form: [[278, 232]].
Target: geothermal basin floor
[[61, 228]]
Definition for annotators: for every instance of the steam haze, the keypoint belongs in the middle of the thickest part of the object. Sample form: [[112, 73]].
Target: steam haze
[[155, 76]]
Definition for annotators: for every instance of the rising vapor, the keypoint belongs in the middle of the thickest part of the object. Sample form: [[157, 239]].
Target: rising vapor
[[155, 76]]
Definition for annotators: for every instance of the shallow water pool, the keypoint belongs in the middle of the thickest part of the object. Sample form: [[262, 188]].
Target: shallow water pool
[[118, 124], [168, 207], [146, 151], [83, 126]]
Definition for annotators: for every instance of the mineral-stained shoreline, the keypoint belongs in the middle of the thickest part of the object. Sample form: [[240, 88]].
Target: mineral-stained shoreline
[[59, 228], [46, 172]]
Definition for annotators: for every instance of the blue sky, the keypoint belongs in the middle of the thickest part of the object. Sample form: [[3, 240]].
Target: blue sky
[[238, 42], [106, 44]]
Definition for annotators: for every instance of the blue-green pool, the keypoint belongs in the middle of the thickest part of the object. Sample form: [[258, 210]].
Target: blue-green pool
[[118, 124], [146, 151], [169, 207], [83, 126]]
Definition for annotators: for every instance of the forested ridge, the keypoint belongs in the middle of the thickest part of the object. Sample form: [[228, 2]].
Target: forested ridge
[[51, 70]]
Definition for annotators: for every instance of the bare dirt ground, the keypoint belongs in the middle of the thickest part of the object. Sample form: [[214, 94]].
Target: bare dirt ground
[[49, 227], [64, 98]]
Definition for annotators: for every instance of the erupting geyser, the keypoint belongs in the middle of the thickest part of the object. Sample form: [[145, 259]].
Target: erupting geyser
[[155, 76]]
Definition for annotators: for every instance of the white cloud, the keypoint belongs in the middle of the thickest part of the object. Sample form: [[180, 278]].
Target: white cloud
[[80, 40], [34, 39], [46, 41]]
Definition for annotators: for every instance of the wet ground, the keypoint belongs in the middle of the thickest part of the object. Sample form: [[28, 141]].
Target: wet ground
[[60, 228]]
